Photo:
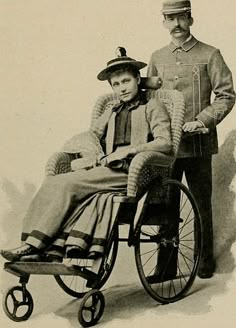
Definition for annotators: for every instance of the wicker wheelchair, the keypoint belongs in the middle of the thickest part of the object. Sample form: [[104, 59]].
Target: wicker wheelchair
[[164, 227]]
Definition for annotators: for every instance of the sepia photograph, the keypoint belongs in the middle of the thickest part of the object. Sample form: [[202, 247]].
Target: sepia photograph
[[118, 163]]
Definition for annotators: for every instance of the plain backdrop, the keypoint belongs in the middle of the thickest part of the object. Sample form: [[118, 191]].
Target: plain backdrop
[[50, 54]]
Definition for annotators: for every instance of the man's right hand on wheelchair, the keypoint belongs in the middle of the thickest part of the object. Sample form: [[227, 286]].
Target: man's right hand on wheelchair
[[194, 127]]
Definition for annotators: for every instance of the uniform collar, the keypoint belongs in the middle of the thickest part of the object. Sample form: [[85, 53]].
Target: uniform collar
[[139, 100], [188, 44]]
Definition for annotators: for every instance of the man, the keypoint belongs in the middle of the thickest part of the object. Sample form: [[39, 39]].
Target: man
[[196, 69], [53, 219]]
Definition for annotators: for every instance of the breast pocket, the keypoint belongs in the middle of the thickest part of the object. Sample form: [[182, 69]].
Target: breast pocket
[[167, 73]]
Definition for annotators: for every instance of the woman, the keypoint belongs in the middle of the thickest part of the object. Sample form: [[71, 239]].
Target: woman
[[72, 212]]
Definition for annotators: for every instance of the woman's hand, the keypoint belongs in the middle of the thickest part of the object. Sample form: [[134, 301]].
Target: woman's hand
[[121, 153], [82, 163]]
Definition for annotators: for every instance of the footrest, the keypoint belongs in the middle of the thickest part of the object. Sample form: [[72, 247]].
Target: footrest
[[22, 269]]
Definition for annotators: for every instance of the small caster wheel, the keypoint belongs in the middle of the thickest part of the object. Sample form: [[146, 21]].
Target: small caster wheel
[[18, 303], [91, 308]]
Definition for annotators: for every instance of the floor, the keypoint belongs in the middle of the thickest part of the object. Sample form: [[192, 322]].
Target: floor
[[209, 302]]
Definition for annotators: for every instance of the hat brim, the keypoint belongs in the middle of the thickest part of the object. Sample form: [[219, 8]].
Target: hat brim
[[175, 11], [105, 73]]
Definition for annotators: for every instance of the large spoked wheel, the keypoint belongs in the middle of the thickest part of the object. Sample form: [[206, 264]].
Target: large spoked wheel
[[91, 308], [76, 285], [18, 303], [167, 255]]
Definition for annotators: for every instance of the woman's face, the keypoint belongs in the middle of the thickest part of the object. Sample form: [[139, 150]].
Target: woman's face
[[125, 85]]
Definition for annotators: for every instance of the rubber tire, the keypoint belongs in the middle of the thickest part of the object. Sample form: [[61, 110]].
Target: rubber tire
[[79, 294], [99, 298], [198, 222], [28, 298]]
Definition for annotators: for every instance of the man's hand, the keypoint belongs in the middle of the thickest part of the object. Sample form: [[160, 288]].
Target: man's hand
[[192, 126]]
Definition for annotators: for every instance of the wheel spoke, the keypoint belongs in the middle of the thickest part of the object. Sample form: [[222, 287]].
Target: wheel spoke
[[14, 311], [190, 248], [150, 257], [187, 234], [71, 282], [184, 258], [15, 301], [25, 300], [94, 309], [175, 267], [150, 251], [180, 274], [148, 233], [173, 286], [155, 232], [186, 222], [183, 205]]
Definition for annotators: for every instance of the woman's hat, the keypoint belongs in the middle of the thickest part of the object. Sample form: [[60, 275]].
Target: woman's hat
[[121, 59]]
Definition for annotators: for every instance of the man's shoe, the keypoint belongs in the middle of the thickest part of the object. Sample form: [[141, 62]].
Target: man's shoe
[[15, 254], [206, 268], [205, 275]]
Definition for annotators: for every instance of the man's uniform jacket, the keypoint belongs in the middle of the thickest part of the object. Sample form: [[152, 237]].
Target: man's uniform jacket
[[196, 69]]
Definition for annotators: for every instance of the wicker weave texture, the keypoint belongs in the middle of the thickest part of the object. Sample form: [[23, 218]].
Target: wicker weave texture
[[142, 170]]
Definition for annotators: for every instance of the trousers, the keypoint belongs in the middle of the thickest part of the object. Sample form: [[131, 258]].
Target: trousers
[[198, 173]]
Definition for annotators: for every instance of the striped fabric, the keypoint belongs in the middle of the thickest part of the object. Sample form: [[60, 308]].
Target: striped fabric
[[141, 169]]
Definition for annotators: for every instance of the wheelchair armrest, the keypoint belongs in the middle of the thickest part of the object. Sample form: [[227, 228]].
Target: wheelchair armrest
[[58, 163], [137, 177]]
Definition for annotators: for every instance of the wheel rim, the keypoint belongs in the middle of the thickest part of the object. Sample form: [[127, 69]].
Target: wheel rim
[[174, 256], [91, 308], [76, 285], [18, 303]]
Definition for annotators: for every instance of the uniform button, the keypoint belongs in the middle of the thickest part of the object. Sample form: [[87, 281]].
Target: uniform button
[[179, 50], [176, 77], [178, 63]]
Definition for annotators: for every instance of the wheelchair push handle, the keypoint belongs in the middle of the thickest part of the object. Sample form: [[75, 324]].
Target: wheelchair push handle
[[197, 131]]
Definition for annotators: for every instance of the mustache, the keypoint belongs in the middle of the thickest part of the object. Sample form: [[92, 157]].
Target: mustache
[[178, 29]]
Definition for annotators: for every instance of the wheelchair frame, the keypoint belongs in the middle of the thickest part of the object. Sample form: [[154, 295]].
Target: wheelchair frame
[[146, 218]]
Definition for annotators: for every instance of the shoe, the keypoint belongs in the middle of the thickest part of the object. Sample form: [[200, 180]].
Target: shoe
[[15, 254], [32, 258], [76, 252], [206, 268], [159, 277], [205, 275], [94, 255], [53, 258], [166, 268]]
